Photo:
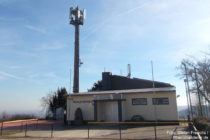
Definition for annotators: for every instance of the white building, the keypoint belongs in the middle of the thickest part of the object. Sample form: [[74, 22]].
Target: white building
[[121, 105]]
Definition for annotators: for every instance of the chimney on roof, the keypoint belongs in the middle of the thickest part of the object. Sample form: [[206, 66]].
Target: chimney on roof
[[106, 80]]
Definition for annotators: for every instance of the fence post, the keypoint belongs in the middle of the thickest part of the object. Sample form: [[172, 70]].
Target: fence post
[[26, 129], [88, 132], [188, 119], [52, 130], [37, 123], [2, 128], [155, 130], [120, 130], [21, 126]]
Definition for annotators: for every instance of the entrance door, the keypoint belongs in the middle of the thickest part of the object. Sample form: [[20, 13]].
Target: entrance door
[[111, 111]]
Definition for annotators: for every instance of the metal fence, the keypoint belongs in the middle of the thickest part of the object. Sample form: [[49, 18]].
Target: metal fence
[[24, 128], [93, 130]]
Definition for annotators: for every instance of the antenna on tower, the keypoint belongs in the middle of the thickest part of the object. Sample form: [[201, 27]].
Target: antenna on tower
[[121, 72], [129, 71]]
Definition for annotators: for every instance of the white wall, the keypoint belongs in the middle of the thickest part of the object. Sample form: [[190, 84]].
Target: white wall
[[83, 102], [164, 112]]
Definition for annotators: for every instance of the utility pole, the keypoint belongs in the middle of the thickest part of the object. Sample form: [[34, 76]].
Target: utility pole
[[154, 94], [188, 89], [76, 18], [199, 96], [188, 108]]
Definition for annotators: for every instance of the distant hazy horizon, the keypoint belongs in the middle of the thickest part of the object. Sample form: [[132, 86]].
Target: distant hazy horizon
[[41, 111], [37, 113]]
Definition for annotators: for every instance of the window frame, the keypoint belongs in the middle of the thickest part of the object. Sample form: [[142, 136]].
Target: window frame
[[139, 101], [160, 102]]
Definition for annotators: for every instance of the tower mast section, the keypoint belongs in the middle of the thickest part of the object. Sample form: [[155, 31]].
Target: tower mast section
[[76, 18]]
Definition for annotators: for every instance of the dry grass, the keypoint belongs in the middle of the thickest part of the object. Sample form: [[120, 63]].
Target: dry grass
[[202, 123]]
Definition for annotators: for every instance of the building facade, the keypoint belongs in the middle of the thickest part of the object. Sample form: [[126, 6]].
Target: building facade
[[121, 105]]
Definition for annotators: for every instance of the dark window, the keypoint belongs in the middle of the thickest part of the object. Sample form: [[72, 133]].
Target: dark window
[[139, 101], [160, 101]]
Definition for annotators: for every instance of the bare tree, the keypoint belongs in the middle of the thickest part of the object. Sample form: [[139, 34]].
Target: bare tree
[[198, 72]]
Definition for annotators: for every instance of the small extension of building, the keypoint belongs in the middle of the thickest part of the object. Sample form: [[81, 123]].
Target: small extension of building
[[119, 98]]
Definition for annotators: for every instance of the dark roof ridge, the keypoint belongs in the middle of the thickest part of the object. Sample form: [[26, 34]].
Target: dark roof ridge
[[151, 81], [134, 78]]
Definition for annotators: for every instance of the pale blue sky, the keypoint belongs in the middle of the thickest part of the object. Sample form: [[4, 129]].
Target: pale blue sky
[[36, 43]]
